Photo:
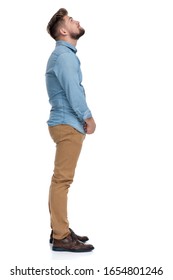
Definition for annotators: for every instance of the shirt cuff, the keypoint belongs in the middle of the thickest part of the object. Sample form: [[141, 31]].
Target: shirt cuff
[[87, 115]]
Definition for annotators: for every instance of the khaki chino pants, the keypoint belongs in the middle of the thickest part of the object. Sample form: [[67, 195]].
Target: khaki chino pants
[[68, 146]]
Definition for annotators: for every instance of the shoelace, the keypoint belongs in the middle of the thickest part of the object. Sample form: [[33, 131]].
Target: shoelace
[[73, 235]]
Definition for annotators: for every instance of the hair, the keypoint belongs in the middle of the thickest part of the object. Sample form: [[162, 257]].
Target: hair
[[55, 22]]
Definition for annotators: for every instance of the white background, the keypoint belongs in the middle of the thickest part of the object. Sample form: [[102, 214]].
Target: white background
[[122, 193]]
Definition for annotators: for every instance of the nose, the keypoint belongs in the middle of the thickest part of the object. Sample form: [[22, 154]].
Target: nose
[[77, 21]]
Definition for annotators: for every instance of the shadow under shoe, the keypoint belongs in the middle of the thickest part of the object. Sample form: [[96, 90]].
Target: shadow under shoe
[[71, 244], [80, 238]]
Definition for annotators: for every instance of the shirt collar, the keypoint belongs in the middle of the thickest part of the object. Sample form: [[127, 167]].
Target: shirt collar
[[68, 45]]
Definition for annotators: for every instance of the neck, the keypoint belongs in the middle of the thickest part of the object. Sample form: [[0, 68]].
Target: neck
[[69, 40]]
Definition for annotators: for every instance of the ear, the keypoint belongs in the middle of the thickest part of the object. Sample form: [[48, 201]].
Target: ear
[[63, 31]]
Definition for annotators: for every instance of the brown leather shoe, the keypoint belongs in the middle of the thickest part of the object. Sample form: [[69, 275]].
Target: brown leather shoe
[[71, 244], [80, 238]]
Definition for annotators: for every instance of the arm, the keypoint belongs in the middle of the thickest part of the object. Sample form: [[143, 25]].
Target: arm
[[67, 70]]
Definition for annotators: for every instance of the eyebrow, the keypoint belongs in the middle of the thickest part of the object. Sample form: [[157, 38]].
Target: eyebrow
[[70, 18]]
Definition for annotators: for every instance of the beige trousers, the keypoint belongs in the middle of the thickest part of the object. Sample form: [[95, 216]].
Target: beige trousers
[[68, 146]]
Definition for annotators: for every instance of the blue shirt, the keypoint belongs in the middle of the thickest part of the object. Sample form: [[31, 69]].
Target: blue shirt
[[64, 87]]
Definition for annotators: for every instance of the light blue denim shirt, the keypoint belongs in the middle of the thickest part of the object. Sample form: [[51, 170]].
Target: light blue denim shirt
[[64, 87]]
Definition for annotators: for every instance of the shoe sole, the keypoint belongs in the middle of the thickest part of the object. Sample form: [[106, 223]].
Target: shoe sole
[[58, 249]]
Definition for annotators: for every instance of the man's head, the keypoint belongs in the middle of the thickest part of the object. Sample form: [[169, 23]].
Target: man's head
[[63, 27]]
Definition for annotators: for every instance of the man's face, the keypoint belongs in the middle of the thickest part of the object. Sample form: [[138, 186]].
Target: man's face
[[73, 28]]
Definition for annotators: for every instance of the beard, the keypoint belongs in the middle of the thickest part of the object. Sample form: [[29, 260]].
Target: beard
[[76, 36]]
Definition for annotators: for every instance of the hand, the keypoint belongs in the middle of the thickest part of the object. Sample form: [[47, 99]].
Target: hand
[[89, 126]]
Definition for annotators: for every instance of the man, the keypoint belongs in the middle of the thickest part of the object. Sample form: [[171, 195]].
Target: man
[[70, 119]]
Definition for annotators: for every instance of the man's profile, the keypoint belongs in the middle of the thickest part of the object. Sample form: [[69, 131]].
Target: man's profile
[[69, 121]]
